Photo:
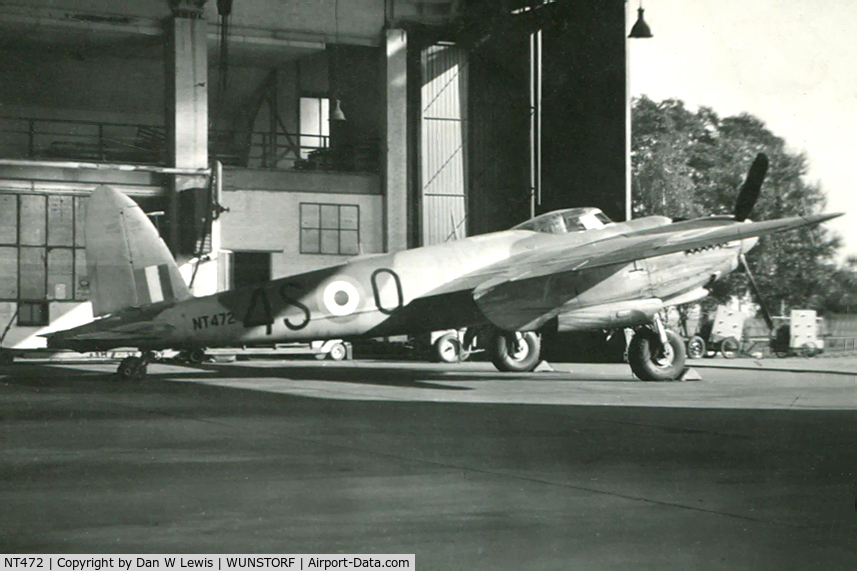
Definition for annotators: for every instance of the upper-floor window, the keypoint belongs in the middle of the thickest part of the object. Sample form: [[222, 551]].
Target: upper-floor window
[[330, 229], [314, 124]]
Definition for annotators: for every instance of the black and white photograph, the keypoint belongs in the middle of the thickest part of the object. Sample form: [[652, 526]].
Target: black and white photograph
[[435, 284]]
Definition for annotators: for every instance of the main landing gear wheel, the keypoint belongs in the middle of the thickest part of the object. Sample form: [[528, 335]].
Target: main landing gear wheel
[[515, 352], [651, 360]]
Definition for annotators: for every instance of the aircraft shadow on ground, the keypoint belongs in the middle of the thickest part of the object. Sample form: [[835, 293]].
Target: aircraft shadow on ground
[[385, 377], [404, 376], [414, 376]]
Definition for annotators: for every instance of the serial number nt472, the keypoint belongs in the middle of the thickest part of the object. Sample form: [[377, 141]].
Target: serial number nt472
[[23, 562], [214, 320]]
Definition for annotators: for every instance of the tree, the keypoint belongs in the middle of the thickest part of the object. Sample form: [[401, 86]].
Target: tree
[[686, 164]]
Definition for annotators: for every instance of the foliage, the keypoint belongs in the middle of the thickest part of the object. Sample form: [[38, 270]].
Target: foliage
[[686, 164]]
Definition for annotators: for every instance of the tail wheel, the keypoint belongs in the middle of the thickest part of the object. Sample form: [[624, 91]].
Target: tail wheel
[[515, 352], [696, 347], [729, 347], [653, 361], [196, 356], [132, 368]]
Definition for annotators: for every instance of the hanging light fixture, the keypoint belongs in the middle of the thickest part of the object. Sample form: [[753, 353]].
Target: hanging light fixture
[[640, 28], [337, 114]]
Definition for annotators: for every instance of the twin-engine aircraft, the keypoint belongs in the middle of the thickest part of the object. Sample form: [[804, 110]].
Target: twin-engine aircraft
[[569, 270]]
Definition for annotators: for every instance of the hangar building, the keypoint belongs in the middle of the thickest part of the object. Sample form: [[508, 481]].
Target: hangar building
[[270, 137]]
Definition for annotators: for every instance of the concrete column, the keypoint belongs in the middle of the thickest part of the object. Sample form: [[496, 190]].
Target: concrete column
[[187, 111], [187, 97], [395, 152]]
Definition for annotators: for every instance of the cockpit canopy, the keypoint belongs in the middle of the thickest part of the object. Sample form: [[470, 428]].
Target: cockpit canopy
[[565, 221]]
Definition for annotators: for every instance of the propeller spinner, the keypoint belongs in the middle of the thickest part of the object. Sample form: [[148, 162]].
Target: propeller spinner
[[749, 192]]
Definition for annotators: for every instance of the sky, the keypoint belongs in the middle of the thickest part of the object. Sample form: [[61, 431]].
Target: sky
[[791, 63]]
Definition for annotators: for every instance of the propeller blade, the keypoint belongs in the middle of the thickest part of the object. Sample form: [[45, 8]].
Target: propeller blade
[[749, 192], [765, 314]]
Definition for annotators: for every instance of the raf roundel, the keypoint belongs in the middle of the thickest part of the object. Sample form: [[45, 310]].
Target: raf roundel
[[341, 298]]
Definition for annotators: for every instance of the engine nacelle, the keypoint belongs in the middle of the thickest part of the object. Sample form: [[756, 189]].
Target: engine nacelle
[[609, 315]]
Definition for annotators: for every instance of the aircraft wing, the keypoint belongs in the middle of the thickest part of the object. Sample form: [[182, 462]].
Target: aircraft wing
[[522, 292]]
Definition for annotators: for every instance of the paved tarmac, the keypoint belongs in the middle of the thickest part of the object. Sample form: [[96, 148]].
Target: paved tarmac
[[582, 467]]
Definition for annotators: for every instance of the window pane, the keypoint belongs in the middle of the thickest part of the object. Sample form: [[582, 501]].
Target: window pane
[[330, 216], [60, 278], [60, 221], [32, 313], [32, 273], [348, 217], [8, 219], [81, 279], [324, 126], [32, 220], [348, 243], [25, 313], [79, 219], [8, 273], [310, 116], [314, 124], [329, 241], [309, 215], [310, 242]]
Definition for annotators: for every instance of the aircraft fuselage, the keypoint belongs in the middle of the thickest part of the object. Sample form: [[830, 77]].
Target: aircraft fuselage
[[408, 292]]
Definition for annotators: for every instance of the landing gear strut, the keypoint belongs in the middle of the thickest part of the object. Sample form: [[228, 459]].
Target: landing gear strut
[[134, 368], [656, 355]]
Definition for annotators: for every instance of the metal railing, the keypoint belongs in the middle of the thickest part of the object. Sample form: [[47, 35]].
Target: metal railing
[[840, 344], [134, 143], [23, 138]]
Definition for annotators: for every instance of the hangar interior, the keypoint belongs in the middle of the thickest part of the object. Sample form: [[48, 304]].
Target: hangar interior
[[269, 137]]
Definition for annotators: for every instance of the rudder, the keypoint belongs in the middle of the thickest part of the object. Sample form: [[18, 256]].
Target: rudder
[[129, 264]]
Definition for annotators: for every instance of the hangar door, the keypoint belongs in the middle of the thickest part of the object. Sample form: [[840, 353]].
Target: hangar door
[[443, 143]]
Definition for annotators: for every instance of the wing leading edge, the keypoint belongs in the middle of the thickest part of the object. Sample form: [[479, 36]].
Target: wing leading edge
[[523, 291]]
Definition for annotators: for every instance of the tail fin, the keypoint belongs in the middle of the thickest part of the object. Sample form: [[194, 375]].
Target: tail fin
[[129, 264]]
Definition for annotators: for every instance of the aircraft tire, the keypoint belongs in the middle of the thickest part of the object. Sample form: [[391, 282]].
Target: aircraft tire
[[696, 348], [447, 348], [525, 360], [196, 356], [650, 362]]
